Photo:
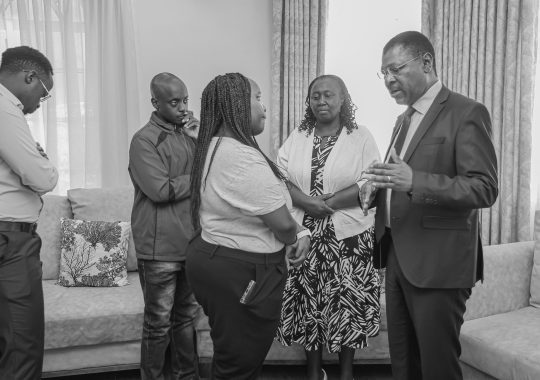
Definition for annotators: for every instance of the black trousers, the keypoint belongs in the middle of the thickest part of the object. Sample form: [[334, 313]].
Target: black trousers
[[423, 327], [21, 306], [242, 333]]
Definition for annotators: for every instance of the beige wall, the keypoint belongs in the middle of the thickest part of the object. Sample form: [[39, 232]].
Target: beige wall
[[199, 39]]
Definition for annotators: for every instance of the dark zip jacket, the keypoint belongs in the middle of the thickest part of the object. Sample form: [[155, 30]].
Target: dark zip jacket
[[160, 160]]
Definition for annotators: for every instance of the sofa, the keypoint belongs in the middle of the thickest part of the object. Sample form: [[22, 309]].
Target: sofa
[[500, 338], [88, 329], [94, 329], [98, 329]]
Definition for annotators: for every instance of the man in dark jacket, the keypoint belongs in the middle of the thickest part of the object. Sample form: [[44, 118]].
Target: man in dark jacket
[[160, 160], [440, 169]]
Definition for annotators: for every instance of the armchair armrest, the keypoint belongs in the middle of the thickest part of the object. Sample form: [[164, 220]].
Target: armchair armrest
[[507, 280]]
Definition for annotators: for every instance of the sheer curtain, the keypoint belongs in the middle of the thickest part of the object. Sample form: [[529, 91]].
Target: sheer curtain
[[85, 127]]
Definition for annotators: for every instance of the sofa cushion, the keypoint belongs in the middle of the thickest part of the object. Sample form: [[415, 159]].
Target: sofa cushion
[[107, 204], [93, 253], [535, 278], [88, 316], [507, 280], [55, 207], [504, 345]]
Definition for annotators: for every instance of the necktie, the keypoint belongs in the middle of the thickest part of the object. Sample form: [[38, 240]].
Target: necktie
[[403, 130]]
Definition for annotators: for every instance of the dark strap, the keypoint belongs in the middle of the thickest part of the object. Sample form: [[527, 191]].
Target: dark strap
[[17, 227]]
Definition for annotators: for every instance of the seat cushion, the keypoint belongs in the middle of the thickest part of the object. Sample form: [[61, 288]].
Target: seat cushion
[[505, 346], [105, 204], [87, 316]]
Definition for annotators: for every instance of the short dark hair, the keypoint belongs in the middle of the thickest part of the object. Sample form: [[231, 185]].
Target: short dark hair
[[414, 42], [25, 58]]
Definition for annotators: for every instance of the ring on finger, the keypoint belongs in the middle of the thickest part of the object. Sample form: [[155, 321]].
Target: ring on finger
[[387, 178]]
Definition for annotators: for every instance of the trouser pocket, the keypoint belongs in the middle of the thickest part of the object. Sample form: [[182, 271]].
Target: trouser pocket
[[267, 295]]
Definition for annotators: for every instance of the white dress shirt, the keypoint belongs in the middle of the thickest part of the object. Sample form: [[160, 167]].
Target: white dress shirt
[[421, 106], [24, 174]]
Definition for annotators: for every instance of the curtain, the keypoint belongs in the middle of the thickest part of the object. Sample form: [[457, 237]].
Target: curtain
[[112, 92], [85, 126], [486, 50], [298, 58]]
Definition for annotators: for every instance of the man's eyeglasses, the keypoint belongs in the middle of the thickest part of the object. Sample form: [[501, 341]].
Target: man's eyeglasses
[[48, 94], [395, 70]]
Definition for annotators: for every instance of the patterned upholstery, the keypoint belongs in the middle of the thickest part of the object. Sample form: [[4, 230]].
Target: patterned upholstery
[[94, 253], [109, 205]]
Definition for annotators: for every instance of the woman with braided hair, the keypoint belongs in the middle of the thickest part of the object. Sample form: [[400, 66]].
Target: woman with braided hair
[[332, 299], [236, 265]]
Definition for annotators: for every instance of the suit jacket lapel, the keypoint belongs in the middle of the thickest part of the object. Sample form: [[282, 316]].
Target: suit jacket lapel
[[427, 121]]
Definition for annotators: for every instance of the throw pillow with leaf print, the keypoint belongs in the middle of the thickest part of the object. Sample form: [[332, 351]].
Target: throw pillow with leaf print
[[93, 253]]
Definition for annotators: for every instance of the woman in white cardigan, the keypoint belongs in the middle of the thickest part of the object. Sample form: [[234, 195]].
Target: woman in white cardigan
[[331, 300]]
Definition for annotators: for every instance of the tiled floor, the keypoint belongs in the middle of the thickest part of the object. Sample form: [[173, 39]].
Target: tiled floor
[[362, 372]]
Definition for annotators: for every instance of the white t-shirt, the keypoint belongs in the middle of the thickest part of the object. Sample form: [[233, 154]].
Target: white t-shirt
[[239, 187]]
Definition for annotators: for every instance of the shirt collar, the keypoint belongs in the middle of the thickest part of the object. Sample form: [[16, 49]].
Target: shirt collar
[[422, 105], [9, 96], [156, 120]]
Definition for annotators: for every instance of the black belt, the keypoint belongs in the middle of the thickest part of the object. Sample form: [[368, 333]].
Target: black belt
[[18, 227]]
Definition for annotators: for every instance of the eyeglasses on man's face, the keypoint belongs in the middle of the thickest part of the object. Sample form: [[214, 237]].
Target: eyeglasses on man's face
[[394, 71], [47, 93]]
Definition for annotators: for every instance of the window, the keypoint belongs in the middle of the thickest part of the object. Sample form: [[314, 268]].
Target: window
[[57, 30], [357, 32]]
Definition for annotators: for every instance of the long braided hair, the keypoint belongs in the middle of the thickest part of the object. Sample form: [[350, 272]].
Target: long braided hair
[[226, 100], [346, 115]]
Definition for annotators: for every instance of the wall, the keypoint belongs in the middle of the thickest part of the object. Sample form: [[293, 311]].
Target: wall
[[199, 39]]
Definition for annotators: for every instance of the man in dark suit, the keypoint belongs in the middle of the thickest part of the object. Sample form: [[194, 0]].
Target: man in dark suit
[[440, 168]]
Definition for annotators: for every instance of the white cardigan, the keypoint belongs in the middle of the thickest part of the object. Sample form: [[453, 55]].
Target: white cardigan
[[351, 154]]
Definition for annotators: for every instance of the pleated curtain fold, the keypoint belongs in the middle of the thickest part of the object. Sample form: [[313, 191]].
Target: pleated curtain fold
[[298, 58], [486, 50]]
